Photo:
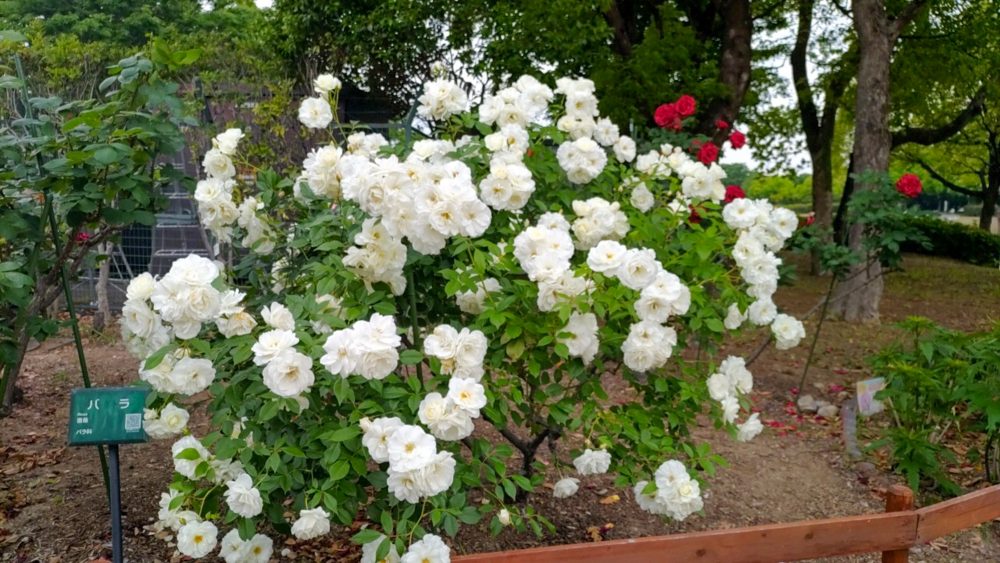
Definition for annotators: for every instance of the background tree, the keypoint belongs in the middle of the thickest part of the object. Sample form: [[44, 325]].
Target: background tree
[[639, 53]]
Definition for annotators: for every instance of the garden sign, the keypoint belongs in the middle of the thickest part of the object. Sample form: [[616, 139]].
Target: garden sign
[[108, 416]]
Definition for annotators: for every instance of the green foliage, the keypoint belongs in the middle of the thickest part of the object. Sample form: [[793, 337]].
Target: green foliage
[[937, 381], [954, 240], [884, 217], [94, 163], [790, 190]]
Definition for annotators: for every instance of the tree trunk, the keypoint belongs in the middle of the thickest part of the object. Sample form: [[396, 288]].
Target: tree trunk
[[991, 191], [734, 66], [859, 294], [103, 315], [822, 198]]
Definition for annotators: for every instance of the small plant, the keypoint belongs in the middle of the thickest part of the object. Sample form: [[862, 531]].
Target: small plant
[[938, 381]]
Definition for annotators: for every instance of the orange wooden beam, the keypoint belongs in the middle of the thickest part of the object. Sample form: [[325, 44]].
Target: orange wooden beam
[[892, 533]]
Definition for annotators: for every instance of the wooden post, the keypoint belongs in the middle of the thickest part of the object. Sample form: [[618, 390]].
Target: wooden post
[[898, 498]]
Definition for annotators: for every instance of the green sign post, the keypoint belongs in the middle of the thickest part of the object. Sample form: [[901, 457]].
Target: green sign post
[[112, 416]]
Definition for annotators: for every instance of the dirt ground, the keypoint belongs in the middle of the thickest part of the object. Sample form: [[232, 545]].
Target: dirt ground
[[53, 510]]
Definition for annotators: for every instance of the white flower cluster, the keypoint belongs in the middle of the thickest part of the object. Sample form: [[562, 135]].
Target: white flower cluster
[[442, 99], [596, 220], [142, 328], [590, 462], [168, 422], [416, 469], [378, 257], [544, 250], [186, 297], [217, 210], [698, 182], [197, 538], [367, 348], [214, 194], [725, 386], [763, 230], [257, 549], [526, 102], [450, 417], [473, 302], [661, 294], [287, 372], [676, 495]]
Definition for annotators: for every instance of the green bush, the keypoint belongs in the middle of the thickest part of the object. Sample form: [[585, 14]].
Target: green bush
[[938, 382], [955, 240]]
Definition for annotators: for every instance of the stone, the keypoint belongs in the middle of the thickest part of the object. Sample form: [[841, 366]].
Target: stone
[[806, 403], [828, 411]]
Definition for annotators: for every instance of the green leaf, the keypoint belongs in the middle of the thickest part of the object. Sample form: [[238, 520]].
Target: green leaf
[[342, 434], [411, 357], [366, 535]]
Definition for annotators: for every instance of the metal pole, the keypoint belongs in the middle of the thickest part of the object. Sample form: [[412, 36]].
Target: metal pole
[[116, 506], [57, 244]]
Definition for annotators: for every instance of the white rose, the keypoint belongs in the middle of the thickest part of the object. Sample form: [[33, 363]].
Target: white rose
[[467, 395], [140, 288], [278, 316], [289, 374], [174, 418], [227, 141], [639, 268], [504, 517], [326, 83], [566, 487], [190, 376], [271, 344], [788, 331], [376, 436], [218, 165], [311, 524], [410, 448], [315, 113], [734, 318], [750, 428], [641, 198], [197, 539], [606, 257], [624, 149], [430, 549], [369, 551], [243, 498], [592, 462]]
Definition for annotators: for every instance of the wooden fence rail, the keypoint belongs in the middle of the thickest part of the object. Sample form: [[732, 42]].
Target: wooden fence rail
[[892, 533]]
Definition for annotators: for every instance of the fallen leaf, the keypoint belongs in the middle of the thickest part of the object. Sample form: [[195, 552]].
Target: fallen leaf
[[610, 499]]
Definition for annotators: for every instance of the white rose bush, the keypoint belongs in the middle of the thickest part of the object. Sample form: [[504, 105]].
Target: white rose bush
[[392, 300]]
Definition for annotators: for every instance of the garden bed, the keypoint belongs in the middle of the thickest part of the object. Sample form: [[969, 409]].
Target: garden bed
[[52, 506]]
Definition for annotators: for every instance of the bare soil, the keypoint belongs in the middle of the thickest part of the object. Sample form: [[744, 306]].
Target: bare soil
[[53, 509]]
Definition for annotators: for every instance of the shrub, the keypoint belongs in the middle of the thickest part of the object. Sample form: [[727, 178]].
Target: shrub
[[955, 240], [937, 380], [398, 293]]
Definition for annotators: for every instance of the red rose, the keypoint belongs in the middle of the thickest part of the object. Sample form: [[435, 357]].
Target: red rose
[[734, 192], [810, 218], [737, 139], [708, 153], [664, 114], [667, 117], [909, 185], [686, 106], [721, 124], [694, 217], [82, 237]]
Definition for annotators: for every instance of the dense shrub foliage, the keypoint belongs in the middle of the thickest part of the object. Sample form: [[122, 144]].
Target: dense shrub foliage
[[955, 240], [395, 296], [938, 381]]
